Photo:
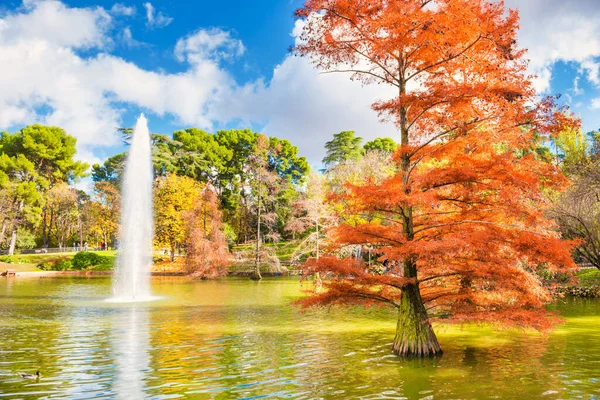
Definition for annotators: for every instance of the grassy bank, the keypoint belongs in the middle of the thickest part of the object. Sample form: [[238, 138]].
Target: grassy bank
[[162, 263], [38, 262]]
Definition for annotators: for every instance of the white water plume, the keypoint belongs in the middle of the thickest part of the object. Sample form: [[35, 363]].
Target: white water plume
[[131, 280]]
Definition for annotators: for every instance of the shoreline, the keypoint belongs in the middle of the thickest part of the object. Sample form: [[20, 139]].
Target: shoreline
[[50, 274]]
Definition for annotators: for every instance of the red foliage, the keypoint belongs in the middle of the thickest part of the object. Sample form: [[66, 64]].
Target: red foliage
[[464, 217], [207, 250]]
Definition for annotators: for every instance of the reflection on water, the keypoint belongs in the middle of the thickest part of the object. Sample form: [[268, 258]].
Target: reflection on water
[[236, 339], [130, 338]]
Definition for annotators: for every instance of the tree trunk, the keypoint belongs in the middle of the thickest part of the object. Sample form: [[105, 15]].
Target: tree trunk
[[256, 275], [414, 335], [172, 252], [45, 228], [3, 231], [15, 227], [318, 280], [80, 223], [13, 240]]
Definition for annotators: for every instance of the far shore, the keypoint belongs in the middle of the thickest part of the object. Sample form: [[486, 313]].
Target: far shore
[[50, 274]]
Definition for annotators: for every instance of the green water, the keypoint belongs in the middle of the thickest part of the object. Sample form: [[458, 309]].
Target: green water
[[234, 339]]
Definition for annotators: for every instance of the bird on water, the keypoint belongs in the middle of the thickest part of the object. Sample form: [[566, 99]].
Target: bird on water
[[31, 376]]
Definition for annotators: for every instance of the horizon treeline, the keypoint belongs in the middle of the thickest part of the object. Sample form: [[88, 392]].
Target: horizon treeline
[[41, 207]]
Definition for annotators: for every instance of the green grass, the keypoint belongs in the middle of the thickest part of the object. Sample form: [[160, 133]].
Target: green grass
[[589, 277], [18, 267]]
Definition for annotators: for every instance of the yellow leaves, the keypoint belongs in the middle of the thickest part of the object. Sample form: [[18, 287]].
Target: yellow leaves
[[173, 196]]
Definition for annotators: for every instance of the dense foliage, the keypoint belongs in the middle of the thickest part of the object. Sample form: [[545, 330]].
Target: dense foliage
[[461, 223], [85, 259]]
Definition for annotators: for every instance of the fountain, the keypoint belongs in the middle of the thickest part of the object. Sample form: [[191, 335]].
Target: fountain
[[131, 281]]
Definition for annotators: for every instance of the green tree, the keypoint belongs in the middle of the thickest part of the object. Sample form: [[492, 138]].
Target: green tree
[[386, 145], [201, 157], [22, 184], [573, 150], [111, 170], [283, 159], [344, 146], [51, 151], [49, 148]]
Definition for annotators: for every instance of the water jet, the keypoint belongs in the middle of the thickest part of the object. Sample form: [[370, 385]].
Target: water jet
[[131, 280]]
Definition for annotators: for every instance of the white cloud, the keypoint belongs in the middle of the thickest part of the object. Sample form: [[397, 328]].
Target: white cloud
[[308, 107], [40, 69], [122, 9], [128, 40], [556, 30], [53, 22], [156, 20], [595, 104], [577, 91], [44, 78], [205, 44]]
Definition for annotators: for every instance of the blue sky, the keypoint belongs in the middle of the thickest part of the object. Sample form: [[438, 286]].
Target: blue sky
[[93, 65]]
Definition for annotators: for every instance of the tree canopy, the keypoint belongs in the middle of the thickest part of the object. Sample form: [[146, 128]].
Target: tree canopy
[[344, 146], [461, 225]]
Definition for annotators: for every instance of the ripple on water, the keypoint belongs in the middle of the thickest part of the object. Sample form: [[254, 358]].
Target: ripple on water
[[232, 340]]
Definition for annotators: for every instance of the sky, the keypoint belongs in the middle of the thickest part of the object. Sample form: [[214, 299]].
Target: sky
[[91, 66]]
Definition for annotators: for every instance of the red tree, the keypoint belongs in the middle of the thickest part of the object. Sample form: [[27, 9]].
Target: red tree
[[462, 223], [207, 249]]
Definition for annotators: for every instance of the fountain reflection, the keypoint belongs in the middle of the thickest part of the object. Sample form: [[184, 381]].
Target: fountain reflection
[[130, 342]]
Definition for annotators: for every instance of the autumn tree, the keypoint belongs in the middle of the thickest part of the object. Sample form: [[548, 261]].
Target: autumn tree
[[312, 216], [62, 213], [574, 150], [264, 185], [207, 249], [103, 210], [462, 223], [577, 213], [173, 196], [577, 210]]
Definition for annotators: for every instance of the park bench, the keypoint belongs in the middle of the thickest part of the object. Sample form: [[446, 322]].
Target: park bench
[[10, 272]]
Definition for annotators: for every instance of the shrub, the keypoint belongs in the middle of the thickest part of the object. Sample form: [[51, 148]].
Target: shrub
[[9, 259], [84, 259], [158, 258], [60, 263]]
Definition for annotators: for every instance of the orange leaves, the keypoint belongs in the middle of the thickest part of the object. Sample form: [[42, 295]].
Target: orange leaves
[[464, 214], [349, 281]]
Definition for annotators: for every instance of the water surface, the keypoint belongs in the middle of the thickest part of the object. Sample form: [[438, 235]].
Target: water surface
[[234, 339]]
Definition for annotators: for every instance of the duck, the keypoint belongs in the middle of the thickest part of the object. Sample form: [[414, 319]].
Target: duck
[[31, 376]]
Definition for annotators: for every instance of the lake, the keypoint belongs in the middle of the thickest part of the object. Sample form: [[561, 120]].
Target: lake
[[238, 339]]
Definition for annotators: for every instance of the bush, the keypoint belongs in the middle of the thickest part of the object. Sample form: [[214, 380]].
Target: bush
[[158, 258], [84, 259], [60, 263], [9, 259]]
